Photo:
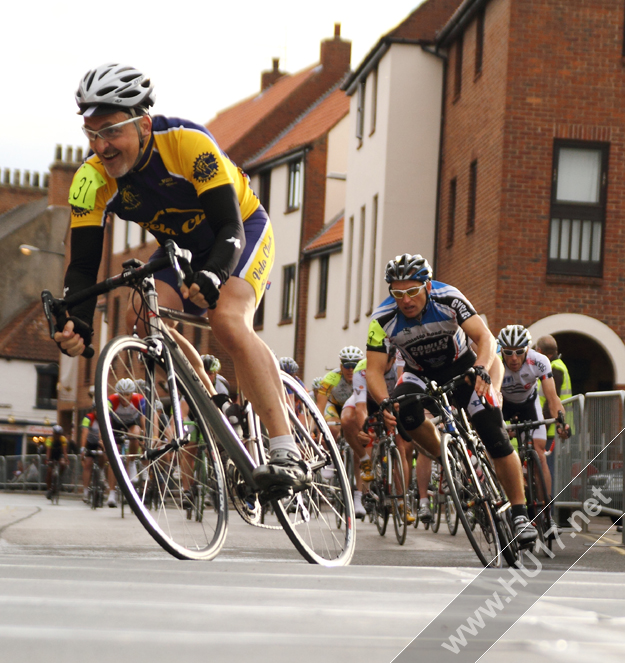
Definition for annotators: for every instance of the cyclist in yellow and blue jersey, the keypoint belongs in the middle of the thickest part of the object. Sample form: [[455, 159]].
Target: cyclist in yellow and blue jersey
[[336, 387], [170, 176]]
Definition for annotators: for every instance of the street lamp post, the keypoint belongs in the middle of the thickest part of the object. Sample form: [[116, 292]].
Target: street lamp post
[[28, 249]]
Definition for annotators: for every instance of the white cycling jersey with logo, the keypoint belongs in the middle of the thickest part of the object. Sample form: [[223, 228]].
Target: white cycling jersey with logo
[[519, 386]]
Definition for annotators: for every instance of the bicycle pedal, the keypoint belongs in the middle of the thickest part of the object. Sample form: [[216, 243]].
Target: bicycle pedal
[[275, 493]]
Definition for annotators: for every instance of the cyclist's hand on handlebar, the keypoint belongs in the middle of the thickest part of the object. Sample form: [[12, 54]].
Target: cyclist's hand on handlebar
[[390, 420], [204, 291], [563, 429], [76, 335], [480, 380], [363, 438]]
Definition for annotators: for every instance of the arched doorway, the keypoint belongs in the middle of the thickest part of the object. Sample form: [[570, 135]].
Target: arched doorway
[[589, 365], [593, 352]]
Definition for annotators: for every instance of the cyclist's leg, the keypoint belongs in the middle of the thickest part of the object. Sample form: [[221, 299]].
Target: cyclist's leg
[[333, 417], [352, 420], [540, 444], [87, 468], [412, 416]]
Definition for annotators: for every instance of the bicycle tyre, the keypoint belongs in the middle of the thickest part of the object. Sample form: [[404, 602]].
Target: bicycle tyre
[[399, 497], [451, 515], [536, 498], [95, 483], [380, 509], [167, 522], [437, 513], [56, 483], [483, 538], [309, 517]]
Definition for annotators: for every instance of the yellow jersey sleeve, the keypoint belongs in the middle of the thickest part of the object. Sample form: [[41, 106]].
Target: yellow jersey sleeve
[[89, 193]]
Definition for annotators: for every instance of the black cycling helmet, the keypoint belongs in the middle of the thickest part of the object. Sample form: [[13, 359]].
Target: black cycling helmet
[[408, 268], [57, 430], [211, 363]]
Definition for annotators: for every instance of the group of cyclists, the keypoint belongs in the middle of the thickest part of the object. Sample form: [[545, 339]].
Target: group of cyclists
[[171, 177]]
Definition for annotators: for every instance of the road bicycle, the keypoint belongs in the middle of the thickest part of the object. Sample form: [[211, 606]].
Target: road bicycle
[[479, 498], [55, 481], [307, 517], [537, 498], [347, 457], [96, 484], [387, 493]]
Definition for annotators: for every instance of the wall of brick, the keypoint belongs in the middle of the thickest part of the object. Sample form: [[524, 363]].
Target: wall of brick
[[552, 69]]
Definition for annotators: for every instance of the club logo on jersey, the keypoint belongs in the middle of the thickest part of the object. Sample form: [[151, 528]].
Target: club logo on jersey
[[205, 167], [130, 199], [79, 211]]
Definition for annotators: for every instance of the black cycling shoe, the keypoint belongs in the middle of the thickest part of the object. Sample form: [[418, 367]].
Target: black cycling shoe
[[524, 532], [283, 469]]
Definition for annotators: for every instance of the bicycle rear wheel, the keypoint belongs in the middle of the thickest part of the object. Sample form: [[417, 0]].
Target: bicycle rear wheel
[[536, 497], [320, 520], [451, 515], [399, 498], [483, 537], [164, 489]]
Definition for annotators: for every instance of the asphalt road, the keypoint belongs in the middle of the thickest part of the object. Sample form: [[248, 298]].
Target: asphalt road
[[77, 585]]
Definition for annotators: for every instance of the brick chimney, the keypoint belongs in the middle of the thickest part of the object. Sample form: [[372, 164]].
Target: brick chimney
[[336, 53], [268, 78], [61, 175]]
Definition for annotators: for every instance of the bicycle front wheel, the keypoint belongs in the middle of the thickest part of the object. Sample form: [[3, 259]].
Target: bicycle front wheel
[[483, 537], [399, 498], [537, 500], [163, 485], [320, 520]]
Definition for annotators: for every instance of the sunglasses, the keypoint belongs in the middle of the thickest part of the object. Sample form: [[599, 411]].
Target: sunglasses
[[108, 133], [411, 292], [349, 364], [518, 353]]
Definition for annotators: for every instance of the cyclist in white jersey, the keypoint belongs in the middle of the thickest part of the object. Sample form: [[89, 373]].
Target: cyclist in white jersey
[[523, 369]]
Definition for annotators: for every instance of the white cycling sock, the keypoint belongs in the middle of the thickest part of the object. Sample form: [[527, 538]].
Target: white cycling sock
[[364, 458], [285, 442], [424, 501]]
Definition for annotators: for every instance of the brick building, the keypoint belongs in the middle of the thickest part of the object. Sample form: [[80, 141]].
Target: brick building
[[531, 180]]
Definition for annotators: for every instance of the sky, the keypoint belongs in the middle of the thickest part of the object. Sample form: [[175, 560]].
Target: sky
[[202, 56]]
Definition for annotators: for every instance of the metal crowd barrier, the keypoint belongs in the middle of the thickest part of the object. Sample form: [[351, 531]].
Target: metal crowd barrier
[[28, 473], [593, 454]]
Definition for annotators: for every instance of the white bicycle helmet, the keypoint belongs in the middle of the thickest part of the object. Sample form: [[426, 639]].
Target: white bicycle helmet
[[289, 365], [57, 430], [211, 363], [408, 268], [351, 353], [114, 86], [514, 336], [125, 386]]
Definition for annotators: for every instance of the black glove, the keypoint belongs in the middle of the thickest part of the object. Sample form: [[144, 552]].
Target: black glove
[[209, 286], [481, 372], [81, 328]]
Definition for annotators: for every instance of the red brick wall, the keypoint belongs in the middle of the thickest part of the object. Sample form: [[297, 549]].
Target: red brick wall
[[474, 123], [552, 69], [12, 196]]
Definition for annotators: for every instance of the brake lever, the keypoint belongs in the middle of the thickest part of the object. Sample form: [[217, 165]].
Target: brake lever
[[56, 315], [178, 257]]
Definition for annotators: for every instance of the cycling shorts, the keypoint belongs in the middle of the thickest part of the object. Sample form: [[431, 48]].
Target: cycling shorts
[[332, 411], [372, 406], [530, 410], [254, 265], [487, 420]]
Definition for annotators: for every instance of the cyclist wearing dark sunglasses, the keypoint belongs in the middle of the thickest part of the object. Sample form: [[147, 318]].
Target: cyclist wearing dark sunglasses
[[524, 369], [432, 325]]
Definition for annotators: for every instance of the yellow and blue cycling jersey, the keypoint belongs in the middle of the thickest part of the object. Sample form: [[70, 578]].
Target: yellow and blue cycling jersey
[[181, 161]]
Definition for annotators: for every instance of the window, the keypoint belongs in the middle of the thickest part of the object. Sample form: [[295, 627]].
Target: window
[[288, 293], [360, 264], [372, 273], [374, 99], [259, 315], [578, 208], [479, 41], [295, 180], [265, 189], [451, 212], [360, 112], [47, 378], [458, 67], [348, 271], [472, 197], [322, 301]]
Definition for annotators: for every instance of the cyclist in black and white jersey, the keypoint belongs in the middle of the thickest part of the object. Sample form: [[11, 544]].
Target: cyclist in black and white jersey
[[524, 368], [430, 322]]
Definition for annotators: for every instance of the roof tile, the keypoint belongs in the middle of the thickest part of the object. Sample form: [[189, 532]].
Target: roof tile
[[27, 336]]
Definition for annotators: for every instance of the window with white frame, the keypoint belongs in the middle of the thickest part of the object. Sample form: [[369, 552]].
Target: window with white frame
[[288, 293], [295, 185], [360, 111]]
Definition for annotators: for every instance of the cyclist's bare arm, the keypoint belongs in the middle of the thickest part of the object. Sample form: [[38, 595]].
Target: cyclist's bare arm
[[554, 403], [376, 384], [486, 348]]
